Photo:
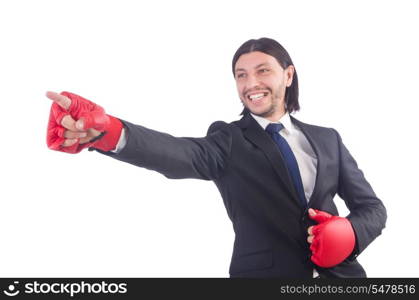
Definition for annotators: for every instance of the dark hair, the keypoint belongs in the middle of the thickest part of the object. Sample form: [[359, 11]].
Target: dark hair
[[273, 48]]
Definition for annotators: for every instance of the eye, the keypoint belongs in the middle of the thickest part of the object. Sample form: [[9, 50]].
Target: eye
[[264, 70], [240, 75]]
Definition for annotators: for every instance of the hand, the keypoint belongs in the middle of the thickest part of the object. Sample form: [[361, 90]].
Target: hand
[[74, 133], [332, 241], [75, 122]]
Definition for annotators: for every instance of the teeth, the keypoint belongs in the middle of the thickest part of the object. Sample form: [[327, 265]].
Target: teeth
[[256, 96]]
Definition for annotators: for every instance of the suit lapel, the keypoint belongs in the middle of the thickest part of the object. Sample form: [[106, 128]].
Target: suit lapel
[[257, 136], [311, 137]]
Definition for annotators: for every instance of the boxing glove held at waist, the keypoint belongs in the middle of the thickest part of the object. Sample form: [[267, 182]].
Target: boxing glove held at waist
[[334, 239]]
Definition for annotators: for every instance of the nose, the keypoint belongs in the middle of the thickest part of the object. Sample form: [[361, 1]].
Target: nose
[[252, 82]]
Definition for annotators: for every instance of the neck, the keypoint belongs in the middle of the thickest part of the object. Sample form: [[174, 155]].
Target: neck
[[276, 115]]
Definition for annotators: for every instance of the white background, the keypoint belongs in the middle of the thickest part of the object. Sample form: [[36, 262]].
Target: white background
[[167, 65]]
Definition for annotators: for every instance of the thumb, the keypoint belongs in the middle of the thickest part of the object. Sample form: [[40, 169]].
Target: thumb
[[80, 124], [318, 215], [96, 119]]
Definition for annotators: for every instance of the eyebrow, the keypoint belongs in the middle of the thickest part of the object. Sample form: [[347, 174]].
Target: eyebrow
[[258, 66]]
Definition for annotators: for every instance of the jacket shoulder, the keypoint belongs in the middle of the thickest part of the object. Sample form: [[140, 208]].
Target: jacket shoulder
[[221, 126], [319, 130]]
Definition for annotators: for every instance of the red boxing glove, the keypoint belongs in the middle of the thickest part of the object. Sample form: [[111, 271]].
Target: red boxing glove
[[93, 116], [334, 239]]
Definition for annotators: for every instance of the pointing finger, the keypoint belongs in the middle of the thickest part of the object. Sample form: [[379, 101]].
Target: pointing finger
[[61, 100]]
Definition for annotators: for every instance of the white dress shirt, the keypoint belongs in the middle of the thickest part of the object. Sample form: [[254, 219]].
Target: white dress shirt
[[300, 146]]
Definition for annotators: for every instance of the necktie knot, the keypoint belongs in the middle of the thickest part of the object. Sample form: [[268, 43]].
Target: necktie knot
[[274, 127]]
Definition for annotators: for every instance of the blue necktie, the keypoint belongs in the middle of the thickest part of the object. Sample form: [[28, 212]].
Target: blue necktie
[[273, 129]]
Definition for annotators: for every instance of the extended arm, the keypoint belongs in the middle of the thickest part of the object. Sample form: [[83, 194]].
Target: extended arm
[[177, 157], [76, 123]]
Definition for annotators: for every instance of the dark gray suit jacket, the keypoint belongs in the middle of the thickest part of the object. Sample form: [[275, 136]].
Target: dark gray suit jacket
[[269, 224]]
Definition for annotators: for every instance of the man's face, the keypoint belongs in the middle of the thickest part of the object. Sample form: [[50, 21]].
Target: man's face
[[261, 83]]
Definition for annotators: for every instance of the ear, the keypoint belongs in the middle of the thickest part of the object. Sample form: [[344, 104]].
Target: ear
[[289, 74]]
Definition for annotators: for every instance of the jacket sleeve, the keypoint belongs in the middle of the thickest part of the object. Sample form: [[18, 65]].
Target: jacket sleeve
[[367, 213], [177, 157]]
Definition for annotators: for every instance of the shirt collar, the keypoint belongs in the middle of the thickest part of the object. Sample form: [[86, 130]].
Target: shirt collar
[[284, 120]]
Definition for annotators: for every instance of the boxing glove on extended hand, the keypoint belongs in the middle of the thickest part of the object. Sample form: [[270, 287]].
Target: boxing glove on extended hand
[[334, 239], [93, 117]]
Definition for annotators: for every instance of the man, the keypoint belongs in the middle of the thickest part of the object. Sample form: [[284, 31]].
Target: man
[[277, 175]]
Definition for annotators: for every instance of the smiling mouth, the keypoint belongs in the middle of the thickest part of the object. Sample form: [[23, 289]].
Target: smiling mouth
[[258, 96]]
